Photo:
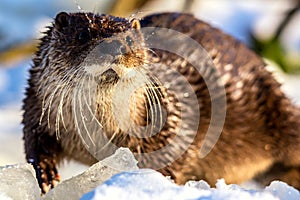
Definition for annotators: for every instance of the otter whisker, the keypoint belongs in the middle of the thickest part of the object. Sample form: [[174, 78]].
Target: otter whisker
[[45, 78], [147, 111], [44, 107], [59, 113], [88, 104], [76, 120], [153, 105], [152, 52], [57, 119], [46, 102], [153, 95], [65, 91], [83, 117], [103, 109], [89, 89], [66, 86], [157, 97], [157, 87], [153, 108], [135, 104], [108, 142], [61, 103], [143, 100], [76, 97], [155, 83], [51, 101], [149, 100]]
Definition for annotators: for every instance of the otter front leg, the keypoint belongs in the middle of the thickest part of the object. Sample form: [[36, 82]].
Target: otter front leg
[[43, 153]]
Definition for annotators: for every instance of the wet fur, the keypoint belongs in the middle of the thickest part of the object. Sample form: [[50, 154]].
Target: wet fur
[[260, 137]]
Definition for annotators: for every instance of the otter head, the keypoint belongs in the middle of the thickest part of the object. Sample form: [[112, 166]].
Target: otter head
[[97, 73], [88, 39]]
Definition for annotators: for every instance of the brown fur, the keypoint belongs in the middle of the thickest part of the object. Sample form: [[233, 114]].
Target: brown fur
[[260, 136]]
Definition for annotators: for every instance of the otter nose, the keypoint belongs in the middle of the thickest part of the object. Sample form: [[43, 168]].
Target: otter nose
[[112, 48]]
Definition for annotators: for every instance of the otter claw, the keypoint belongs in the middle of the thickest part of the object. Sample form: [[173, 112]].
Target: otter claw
[[55, 183], [45, 188]]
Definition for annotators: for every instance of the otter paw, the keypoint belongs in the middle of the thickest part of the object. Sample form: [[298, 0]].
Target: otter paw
[[49, 176], [46, 173]]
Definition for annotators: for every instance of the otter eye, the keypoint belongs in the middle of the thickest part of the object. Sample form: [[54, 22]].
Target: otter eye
[[84, 36]]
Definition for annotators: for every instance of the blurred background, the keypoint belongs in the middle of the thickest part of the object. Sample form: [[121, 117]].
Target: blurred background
[[270, 27]]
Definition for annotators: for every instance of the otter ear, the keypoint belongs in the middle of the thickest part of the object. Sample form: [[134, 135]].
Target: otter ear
[[135, 23], [62, 20]]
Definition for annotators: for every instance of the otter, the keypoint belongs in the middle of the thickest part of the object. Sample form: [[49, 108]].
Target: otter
[[98, 82]]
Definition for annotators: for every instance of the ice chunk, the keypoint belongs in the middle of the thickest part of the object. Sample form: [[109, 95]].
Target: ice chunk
[[75, 187], [122, 160], [18, 182]]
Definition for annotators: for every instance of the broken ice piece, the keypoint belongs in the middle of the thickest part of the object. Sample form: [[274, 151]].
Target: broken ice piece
[[122, 160], [18, 182], [75, 187]]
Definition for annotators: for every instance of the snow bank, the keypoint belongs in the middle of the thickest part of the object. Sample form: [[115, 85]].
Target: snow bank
[[148, 184]]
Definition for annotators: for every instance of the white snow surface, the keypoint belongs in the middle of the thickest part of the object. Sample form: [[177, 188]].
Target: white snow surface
[[148, 184]]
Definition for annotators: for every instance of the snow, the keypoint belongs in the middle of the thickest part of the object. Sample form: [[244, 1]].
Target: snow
[[283, 191], [142, 184], [133, 183], [149, 184]]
